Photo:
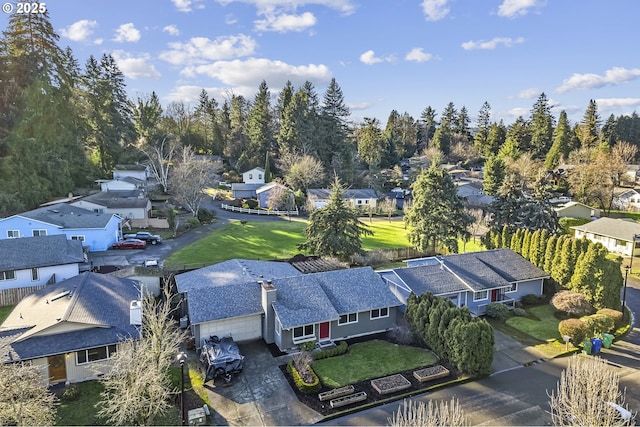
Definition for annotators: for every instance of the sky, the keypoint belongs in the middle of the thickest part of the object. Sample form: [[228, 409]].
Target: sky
[[384, 54]]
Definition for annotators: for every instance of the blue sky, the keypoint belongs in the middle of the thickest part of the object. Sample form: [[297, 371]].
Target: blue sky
[[385, 54]]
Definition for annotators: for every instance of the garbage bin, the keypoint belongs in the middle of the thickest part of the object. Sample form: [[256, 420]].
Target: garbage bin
[[607, 340], [596, 345], [586, 347]]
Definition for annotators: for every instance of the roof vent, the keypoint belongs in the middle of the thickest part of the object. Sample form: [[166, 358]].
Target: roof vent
[[60, 295]]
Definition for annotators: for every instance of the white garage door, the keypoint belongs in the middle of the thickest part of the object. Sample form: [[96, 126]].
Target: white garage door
[[241, 328]]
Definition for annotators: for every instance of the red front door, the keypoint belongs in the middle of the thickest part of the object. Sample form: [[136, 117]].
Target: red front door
[[324, 331], [494, 295]]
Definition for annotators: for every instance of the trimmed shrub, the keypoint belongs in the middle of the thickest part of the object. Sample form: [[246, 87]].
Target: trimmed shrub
[[308, 345], [192, 221], [497, 310], [341, 348], [303, 386], [520, 312], [597, 324], [575, 328], [530, 299], [206, 216], [251, 203], [70, 393], [615, 315], [573, 303]]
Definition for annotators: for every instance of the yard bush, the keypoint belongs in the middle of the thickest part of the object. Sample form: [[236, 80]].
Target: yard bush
[[520, 312], [615, 315], [341, 348], [371, 258], [530, 299], [250, 204], [597, 324], [575, 328], [497, 310], [206, 216], [192, 221], [572, 303], [305, 387]]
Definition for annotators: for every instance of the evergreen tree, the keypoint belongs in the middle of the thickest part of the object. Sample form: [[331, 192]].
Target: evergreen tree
[[237, 138], [541, 124], [372, 145], [526, 243], [562, 269], [335, 229], [483, 127], [534, 247], [542, 248], [147, 114], [589, 128], [461, 124], [518, 139], [562, 144], [590, 278], [437, 214], [260, 125], [549, 253], [335, 146], [497, 137], [507, 204], [506, 237], [429, 122], [494, 174], [473, 352]]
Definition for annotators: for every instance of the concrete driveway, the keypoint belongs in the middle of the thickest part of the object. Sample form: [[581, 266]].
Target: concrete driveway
[[260, 395]]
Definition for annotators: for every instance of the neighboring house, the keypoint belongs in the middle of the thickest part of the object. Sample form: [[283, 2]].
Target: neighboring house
[[626, 199], [472, 193], [617, 235], [456, 171], [632, 174], [275, 302], [471, 280], [37, 261], [253, 176], [354, 197], [125, 204], [121, 184], [399, 196], [264, 192], [139, 172], [97, 231], [73, 328], [576, 210]]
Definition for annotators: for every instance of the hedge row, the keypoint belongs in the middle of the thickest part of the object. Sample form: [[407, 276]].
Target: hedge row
[[341, 348], [604, 321], [304, 387]]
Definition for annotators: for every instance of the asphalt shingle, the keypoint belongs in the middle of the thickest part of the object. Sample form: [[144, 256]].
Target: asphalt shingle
[[42, 251]]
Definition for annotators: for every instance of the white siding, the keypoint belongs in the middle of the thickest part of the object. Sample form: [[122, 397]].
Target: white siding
[[241, 328], [24, 278]]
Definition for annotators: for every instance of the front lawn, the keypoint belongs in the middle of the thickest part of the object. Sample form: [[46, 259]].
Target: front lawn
[[544, 328], [370, 359]]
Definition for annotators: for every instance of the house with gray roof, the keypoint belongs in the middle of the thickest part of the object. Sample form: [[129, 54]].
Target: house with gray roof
[[38, 261], [126, 204], [73, 328], [274, 301], [97, 231], [618, 235], [473, 279], [354, 197]]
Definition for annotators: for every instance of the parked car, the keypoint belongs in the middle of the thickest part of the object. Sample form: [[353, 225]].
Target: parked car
[[129, 244], [220, 357], [146, 236]]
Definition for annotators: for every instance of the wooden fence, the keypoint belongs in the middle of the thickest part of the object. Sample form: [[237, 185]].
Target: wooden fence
[[259, 211], [14, 295]]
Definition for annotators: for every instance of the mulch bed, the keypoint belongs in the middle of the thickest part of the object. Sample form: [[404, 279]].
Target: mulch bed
[[312, 401]]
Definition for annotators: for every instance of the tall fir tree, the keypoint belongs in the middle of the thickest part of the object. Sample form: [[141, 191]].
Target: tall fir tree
[[542, 123], [260, 125], [494, 174], [483, 127], [562, 143], [588, 130]]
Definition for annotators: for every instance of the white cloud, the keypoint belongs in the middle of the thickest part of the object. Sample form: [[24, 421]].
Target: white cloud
[[127, 33], [613, 76], [185, 5], [435, 9], [269, 6], [135, 67], [190, 94], [250, 72], [417, 54], [491, 44], [230, 19], [172, 30], [201, 49], [285, 22], [529, 93], [355, 106], [514, 8], [79, 31], [608, 104], [369, 58], [517, 112]]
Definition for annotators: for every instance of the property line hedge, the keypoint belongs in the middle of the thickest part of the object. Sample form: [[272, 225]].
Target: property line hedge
[[341, 348]]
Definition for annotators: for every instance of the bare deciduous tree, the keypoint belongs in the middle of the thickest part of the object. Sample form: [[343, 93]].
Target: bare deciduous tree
[[587, 395], [160, 157], [479, 219], [280, 198], [388, 206], [431, 414], [624, 150], [190, 177], [302, 171], [24, 397], [138, 389]]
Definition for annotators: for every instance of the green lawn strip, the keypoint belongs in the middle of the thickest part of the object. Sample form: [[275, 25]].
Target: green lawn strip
[[368, 360], [386, 235], [544, 329], [82, 411], [5, 311], [470, 246]]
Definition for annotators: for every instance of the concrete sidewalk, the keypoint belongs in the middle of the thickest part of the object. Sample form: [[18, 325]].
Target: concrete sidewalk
[[510, 353]]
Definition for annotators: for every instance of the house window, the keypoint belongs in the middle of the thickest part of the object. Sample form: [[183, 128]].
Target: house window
[[78, 237], [303, 332], [250, 176], [259, 176], [345, 319], [37, 233], [379, 313], [513, 288], [479, 296], [366, 202], [35, 275], [95, 354], [13, 234], [359, 202], [7, 275]]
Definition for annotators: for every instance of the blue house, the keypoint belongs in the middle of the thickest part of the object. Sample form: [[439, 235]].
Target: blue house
[[264, 192], [474, 279], [274, 301], [97, 231]]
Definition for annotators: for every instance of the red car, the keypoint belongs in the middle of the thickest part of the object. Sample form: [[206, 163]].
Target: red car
[[129, 244]]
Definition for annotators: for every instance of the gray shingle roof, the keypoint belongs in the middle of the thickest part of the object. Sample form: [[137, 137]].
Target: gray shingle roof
[[43, 251], [222, 302], [611, 227], [349, 193], [116, 199], [430, 278], [302, 301], [238, 186], [99, 302], [67, 216]]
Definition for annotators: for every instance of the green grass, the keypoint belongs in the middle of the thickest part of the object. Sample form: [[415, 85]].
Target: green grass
[[371, 359], [5, 311], [623, 214], [386, 235], [546, 328], [81, 412]]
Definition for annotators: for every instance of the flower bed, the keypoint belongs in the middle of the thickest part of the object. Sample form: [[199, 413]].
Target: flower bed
[[390, 384], [336, 392], [431, 373], [347, 400]]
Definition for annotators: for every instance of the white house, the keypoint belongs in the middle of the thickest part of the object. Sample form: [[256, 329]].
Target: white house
[[356, 198], [617, 235], [576, 210], [125, 204], [253, 176], [626, 199], [37, 261], [140, 172], [121, 184]]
